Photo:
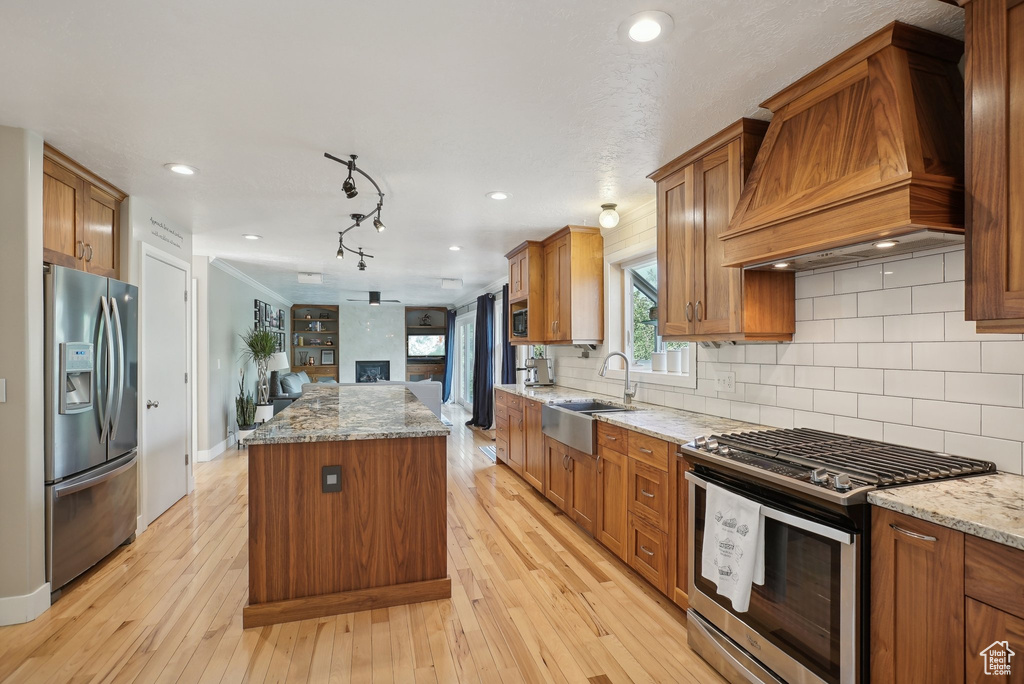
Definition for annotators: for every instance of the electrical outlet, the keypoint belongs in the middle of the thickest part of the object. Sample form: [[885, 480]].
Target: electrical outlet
[[725, 382]]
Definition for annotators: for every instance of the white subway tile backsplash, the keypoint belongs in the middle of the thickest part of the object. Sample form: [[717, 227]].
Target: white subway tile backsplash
[[861, 380], [885, 355], [960, 330], [856, 427], [815, 421], [813, 377], [859, 279], [859, 329], [795, 398], [954, 264], [804, 309], [836, 306], [819, 285], [761, 353], [922, 438], [985, 388], [908, 272], [1005, 454], [777, 417], [748, 412], [747, 372], [954, 356], [732, 353], [718, 407], [886, 409], [814, 331], [1002, 422], [1002, 357], [917, 384], [694, 402], [915, 328], [884, 302], [839, 403], [761, 394], [796, 354], [938, 297], [947, 415], [835, 354], [777, 375]]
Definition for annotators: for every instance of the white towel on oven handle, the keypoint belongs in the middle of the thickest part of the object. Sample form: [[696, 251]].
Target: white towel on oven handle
[[732, 557]]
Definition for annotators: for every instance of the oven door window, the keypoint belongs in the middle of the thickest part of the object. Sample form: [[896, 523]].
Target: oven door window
[[799, 606]]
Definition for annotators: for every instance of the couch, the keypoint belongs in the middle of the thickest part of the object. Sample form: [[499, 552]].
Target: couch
[[284, 391]]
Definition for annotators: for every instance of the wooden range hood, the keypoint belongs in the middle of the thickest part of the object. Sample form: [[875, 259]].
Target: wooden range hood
[[867, 147]]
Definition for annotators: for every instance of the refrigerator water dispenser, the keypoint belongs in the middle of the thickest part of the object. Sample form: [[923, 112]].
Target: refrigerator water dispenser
[[76, 372]]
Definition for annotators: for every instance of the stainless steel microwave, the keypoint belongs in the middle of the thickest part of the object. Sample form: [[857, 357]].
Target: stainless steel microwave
[[519, 323]]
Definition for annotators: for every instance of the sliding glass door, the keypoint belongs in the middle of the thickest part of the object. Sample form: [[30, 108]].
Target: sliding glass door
[[465, 343]]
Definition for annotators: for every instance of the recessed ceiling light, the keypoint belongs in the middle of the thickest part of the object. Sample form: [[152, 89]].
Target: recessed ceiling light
[[499, 195], [252, 236], [646, 26], [782, 264], [886, 244], [182, 169], [454, 248]]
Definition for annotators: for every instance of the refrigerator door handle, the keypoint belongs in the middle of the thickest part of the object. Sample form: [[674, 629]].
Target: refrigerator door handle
[[120, 367], [96, 478], [109, 373]]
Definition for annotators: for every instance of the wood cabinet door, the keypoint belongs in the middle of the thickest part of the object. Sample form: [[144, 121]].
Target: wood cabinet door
[[995, 163], [648, 493], [515, 276], [524, 274], [610, 525], [558, 289], [679, 537], [557, 481], [917, 600], [552, 303], [101, 231], [675, 253], [648, 552], [534, 461], [516, 440], [988, 632], [717, 290], [63, 216], [583, 489]]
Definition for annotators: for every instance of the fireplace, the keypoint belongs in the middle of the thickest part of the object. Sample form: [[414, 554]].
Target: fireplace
[[372, 371]]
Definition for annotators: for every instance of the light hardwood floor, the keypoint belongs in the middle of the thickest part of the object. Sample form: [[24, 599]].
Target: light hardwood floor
[[533, 600]]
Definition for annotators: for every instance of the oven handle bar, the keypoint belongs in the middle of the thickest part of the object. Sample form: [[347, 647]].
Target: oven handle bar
[[788, 518]]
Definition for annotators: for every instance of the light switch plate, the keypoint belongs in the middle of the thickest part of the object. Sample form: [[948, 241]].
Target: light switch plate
[[725, 382], [330, 479], [3, 390]]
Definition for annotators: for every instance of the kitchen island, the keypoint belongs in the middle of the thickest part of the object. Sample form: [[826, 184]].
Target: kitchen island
[[347, 505]]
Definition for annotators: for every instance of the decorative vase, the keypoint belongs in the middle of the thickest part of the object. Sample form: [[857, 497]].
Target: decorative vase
[[674, 361], [658, 362], [244, 434]]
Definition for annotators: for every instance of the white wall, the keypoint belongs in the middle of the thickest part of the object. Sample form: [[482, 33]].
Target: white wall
[[24, 593], [370, 333], [143, 223], [881, 350]]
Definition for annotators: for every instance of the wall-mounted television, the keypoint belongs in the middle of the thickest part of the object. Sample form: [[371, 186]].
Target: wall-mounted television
[[425, 346]]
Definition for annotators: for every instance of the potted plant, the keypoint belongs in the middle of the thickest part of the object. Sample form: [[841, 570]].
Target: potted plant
[[245, 411], [260, 345]]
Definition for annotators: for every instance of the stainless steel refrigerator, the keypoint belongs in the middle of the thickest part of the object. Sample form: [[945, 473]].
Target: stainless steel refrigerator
[[91, 375]]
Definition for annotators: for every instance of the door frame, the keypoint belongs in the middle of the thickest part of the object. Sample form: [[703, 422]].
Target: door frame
[[460, 320], [146, 250]]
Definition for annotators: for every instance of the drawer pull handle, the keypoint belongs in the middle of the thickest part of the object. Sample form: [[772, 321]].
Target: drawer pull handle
[[646, 550], [689, 312], [647, 493], [611, 439], [915, 535], [89, 258], [645, 451]]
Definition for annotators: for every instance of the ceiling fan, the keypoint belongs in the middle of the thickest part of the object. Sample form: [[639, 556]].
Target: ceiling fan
[[375, 299]]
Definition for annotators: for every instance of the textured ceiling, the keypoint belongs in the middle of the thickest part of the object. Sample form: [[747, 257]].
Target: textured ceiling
[[443, 101]]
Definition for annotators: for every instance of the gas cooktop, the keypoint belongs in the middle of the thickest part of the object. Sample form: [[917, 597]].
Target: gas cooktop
[[827, 466]]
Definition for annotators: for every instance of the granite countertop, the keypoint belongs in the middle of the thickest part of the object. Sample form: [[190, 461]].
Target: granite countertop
[[672, 425], [987, 506], [335, 413]]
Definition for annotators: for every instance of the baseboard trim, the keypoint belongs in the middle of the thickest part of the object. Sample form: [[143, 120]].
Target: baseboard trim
[[273, 612], [15, 610], [204, 455]]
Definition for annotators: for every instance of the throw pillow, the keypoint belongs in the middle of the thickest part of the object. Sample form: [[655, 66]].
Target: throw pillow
[[291, 383], [305, 377]]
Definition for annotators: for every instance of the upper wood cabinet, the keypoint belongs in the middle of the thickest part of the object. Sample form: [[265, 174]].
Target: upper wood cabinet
[[560, 282], [865, 147], [81, 217], [995, 164], [698, 298]]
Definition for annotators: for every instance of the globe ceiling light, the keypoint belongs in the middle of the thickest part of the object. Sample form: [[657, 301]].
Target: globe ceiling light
[[608, 218]]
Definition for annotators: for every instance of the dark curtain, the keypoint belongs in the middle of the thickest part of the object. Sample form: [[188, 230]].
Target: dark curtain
[[508, 352], [449, 358], [483, 364]]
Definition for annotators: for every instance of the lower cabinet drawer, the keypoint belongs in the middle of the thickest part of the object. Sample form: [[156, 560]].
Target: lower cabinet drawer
[[500, 413], [501, 450], [648, 493], [648, 552]]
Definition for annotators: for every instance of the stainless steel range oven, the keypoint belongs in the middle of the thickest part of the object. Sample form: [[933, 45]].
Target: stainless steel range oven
[[808, 622]]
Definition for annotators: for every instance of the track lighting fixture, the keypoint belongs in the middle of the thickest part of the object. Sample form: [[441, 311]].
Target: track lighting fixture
[[349, 188]]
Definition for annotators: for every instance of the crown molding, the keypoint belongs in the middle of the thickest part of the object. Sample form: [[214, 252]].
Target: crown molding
[[238, 275]]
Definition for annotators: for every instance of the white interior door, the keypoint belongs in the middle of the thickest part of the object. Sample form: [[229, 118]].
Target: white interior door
[[165, 440], [465, 338]]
